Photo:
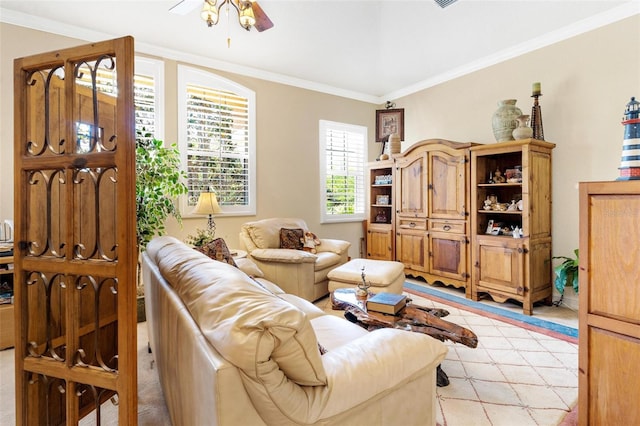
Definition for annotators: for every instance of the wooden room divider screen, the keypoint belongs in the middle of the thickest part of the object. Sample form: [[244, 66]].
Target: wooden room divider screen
[[75, 216]]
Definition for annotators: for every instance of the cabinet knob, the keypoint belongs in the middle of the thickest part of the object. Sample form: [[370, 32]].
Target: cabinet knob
[[446, 228], [412, 225]]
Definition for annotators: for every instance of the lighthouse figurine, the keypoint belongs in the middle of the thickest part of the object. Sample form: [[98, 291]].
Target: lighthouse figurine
[[630, 163]]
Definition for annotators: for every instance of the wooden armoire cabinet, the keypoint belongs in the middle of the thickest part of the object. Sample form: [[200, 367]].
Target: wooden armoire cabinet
[[609, 313], [431, 211], [511, 191]]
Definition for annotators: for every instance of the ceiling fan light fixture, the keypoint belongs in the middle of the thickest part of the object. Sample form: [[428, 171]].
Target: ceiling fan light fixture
[[210, 13], [246, 16]]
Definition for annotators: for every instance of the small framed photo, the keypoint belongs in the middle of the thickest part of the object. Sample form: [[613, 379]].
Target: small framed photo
[[388, 122], [382, 200]]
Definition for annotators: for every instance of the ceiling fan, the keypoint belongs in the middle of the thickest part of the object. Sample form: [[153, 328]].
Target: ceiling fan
[[250, 14], [445, 3]]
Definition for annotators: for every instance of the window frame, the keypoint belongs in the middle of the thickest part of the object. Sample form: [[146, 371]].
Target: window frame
[[154, 68], [189, 75], [360, 192]]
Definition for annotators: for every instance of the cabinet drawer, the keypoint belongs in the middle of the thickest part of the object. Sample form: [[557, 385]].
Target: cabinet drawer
[[412, 224], [455, 227]]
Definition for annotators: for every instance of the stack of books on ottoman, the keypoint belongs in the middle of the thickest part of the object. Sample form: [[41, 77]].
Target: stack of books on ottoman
[[387, 303]]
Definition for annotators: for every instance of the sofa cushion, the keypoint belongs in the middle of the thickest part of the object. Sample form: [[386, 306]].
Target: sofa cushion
[[249, 267], [326, 259], [291, 238], [250, 327], [333, 332], [266, 233]]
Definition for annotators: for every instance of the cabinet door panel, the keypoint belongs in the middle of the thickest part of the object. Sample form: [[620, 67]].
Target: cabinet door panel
[[447, 255], [379, 243], [411, 250], [501, 265], [412, 191], [447, 182]]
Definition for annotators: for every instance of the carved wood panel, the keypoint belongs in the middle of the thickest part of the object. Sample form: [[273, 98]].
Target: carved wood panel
[[75, 257]]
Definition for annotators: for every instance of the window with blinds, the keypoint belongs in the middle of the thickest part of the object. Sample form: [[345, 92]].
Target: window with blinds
[[148, 84], [217, 140], [343, 150], [148, 93]]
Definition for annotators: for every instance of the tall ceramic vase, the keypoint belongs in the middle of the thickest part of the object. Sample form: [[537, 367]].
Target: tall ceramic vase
[[504, 120], [523, 131], [394, 143]]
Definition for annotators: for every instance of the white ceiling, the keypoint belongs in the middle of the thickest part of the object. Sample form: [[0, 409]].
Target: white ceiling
[[364, 49]]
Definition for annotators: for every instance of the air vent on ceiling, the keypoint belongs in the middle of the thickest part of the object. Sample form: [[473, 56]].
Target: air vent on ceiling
[[445, 3]]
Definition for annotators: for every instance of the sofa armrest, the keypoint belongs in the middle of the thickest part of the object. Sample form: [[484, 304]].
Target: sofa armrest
[[335, 246], [283, 256], [375, 363]]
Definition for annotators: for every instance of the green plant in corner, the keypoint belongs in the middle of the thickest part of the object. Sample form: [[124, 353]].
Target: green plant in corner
[[159, 182], [566, 273]]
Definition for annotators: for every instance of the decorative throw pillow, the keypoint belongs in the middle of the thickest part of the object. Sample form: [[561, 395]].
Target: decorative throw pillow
[[291, 238], [218, 250]]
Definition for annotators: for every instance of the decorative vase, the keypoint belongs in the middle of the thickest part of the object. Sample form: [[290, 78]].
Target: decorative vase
[[394, 143], [523, 131], [504, 120]]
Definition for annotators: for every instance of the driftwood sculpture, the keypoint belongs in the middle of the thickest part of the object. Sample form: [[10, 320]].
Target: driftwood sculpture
[[412, 317]]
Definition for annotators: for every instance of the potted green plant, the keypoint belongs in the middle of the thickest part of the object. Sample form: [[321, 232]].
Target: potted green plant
[[159, 182], [201, 237], [566, 274]]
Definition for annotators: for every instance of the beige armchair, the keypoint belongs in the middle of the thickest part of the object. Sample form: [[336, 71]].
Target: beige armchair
[[297, 272]]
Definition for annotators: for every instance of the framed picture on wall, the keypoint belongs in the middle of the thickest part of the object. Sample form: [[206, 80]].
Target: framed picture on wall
[[389, 121]]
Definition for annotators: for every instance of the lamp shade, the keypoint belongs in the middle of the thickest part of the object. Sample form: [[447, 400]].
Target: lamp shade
[[207, 204]]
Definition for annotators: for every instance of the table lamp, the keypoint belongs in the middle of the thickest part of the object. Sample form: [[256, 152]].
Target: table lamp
[[208, 204]]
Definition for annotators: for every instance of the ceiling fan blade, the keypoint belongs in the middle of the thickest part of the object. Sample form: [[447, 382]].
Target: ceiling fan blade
[[263, 22], [183, 7], [445, 3]]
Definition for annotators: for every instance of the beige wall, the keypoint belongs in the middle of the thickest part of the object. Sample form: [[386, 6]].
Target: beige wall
[[586, 82]]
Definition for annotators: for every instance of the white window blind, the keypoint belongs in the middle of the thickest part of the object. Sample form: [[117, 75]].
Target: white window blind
[[217, 140], [343, 150], [147, 87], [149, 97]]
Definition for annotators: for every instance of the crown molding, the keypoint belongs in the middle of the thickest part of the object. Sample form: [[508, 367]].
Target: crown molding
[[616, 14], [54, 27]]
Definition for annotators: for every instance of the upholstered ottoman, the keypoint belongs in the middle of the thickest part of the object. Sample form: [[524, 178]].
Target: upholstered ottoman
[[382, 275]]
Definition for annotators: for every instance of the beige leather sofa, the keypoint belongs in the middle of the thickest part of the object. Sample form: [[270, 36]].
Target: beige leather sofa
[[234, 350], [296, 272]]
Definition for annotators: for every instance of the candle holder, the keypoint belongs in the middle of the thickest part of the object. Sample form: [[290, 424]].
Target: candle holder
[[536, 118], [363, 287]]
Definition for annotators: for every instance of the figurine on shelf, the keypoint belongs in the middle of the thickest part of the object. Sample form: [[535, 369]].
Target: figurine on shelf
[[497, 176], [381, 217], [488, 203], [512, 207]]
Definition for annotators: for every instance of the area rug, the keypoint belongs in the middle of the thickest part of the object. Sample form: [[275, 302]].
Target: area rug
[[523, 372]]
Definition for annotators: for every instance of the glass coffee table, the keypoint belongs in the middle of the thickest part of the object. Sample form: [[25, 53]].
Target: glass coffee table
[[412, 317]]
